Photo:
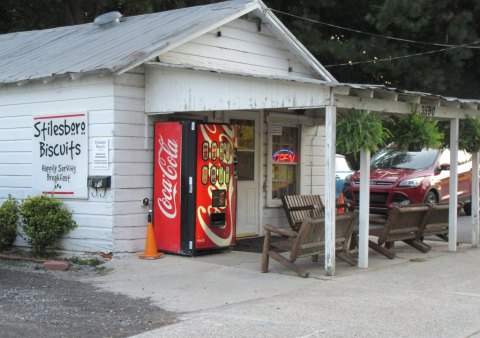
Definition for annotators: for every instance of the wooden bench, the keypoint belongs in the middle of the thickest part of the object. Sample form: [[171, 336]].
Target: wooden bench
[[403, 224], [436, 224], [308, 241]]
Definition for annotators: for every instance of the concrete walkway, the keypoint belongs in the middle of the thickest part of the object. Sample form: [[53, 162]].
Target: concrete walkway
[[224, 295]]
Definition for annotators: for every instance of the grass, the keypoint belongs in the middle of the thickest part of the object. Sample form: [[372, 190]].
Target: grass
[[84, 261]]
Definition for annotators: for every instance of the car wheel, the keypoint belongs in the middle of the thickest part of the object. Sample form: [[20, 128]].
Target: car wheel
[[467, 207], [431, 198]]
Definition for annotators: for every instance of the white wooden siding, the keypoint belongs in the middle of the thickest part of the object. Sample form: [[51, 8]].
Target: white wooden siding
[[92, 94], [132, 161], [173, 90], [240, 48], [313, 160]]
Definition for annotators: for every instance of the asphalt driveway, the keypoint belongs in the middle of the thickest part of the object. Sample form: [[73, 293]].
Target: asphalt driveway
[[37, 303]]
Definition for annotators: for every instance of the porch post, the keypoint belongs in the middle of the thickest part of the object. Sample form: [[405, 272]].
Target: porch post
[[475, 201], [452, 214], [330, 137], [364, 209]]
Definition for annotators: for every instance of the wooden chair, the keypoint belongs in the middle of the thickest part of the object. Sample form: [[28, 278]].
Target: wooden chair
[[300, 207], [402, 224], [436, 224], [308, 241]]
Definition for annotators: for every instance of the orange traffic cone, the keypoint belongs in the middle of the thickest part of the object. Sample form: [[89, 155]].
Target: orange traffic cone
[[151, 251], [341, 204]]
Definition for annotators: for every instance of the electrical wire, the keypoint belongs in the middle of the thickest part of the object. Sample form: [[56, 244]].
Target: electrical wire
[[367, 33], [401, 57]]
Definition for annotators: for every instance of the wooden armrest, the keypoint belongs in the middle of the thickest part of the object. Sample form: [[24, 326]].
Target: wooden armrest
[[347, 206], [378, 219], [280, 231]]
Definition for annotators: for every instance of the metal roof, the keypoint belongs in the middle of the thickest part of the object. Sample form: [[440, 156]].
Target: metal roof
[[118, 47], [466, 103]]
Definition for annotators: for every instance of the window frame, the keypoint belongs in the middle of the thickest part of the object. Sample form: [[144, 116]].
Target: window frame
[[271, 202]]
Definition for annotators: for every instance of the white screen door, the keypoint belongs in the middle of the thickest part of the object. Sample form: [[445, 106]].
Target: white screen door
[[248, 193]]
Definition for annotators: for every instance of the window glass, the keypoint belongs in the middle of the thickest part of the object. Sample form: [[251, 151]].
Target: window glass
[[445, 157], [246, 149], [285, 159], [284, 179], [464, 157], [398, 159]]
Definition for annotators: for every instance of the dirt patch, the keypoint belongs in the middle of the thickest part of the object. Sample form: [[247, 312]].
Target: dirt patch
[[38, 303]]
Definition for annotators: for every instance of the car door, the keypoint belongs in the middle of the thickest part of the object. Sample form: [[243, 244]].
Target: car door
[[442, 179], [464, 175]]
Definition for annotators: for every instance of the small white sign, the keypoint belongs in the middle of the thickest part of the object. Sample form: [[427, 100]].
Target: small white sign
[[60, 155], [100, 154]]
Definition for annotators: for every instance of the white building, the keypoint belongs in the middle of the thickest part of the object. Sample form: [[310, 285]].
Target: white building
[[228, 62]]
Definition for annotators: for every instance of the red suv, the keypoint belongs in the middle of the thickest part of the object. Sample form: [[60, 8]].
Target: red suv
[[411, 177]]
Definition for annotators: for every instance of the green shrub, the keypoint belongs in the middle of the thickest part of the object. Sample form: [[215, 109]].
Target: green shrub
[[9, 213], [415, 131], [360, 130], [45, 220], [469, 137]]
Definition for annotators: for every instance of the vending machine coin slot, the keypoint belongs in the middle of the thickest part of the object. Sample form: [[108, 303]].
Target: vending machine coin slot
[[217, 220]]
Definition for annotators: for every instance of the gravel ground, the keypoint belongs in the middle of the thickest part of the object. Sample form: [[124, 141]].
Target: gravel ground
[[38, 303]]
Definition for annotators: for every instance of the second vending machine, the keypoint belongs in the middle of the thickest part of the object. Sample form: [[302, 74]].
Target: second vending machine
[[194, 186]]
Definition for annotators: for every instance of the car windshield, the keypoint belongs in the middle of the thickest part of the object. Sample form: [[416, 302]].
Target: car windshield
[[341, 164], [398, 159]]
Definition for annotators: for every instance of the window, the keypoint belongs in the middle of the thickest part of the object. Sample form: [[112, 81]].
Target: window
[[246, 149], [284, 162]]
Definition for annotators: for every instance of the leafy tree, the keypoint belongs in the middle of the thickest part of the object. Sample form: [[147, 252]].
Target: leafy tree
[[445, 22], [452, 72]]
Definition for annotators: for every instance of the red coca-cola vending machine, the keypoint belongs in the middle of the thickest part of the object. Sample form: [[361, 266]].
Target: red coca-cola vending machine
[[194, 187]]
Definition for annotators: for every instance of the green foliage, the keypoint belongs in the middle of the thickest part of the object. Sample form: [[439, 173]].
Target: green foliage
[[451, 72], [360, 130], [45, 220], [469, 136], [9, 214], [416, 131], [87, 261]]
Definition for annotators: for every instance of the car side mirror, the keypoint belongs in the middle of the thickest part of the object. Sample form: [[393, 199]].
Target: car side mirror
[[445, 166]]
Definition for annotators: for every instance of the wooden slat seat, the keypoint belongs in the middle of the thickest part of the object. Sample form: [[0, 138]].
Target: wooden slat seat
[[402, 224], [300, 207], [308, 241], [436, 223]]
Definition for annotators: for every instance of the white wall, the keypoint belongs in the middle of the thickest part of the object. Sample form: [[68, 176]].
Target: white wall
[[241, 48], [132, 160], [92, 94], [176, 89]]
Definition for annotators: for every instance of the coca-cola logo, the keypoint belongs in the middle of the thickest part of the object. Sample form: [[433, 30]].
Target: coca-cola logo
[[168, 164]]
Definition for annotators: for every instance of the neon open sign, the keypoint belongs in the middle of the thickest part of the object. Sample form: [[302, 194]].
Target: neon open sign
[[284, 155]]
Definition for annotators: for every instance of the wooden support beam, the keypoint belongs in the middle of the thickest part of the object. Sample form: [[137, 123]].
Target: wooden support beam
[[385, 95], [409, 98], [475, 201], [364, 217], [330, 137], [367, 93], [429, 101], [453, 217]]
